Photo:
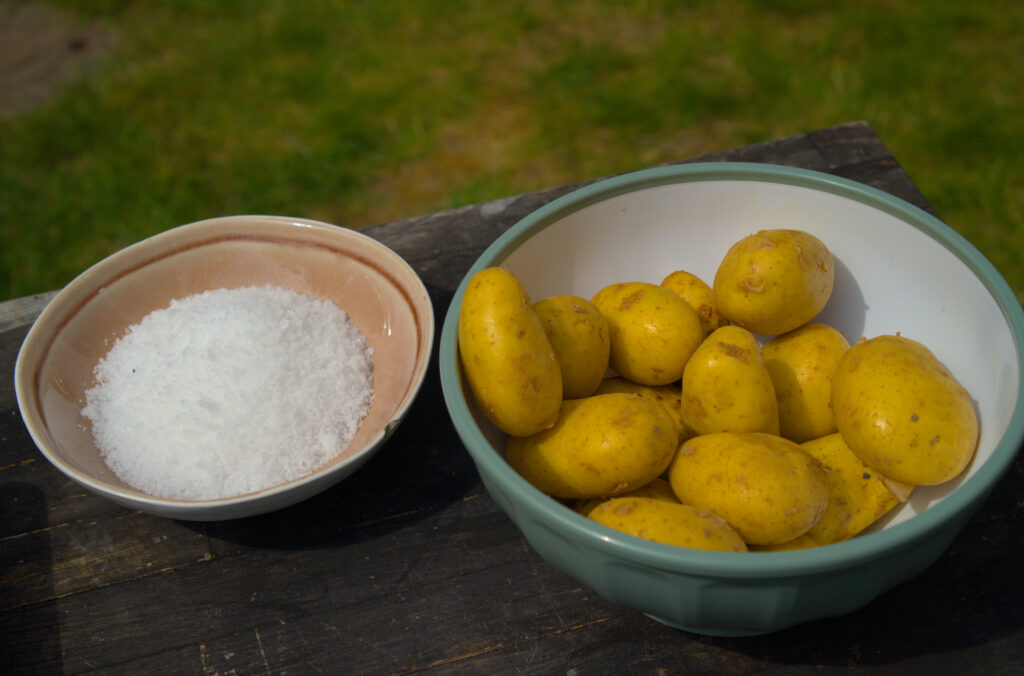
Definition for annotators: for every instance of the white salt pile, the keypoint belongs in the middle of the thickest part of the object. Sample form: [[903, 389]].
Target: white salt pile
[[230, 391]]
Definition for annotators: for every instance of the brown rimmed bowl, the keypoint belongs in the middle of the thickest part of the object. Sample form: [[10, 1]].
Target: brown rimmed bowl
[[380, 292]]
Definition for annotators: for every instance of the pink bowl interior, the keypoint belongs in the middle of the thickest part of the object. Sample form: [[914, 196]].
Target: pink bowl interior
[[382, 296]]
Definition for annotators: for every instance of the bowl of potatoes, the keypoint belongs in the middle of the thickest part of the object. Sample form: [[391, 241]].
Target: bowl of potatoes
[[735, 397]]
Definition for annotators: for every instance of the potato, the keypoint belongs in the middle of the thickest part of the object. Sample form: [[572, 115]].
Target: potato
[[666, 395], [801, 364], [699, 296], [653, 331], [579, 335], [857, 495], [668, 523], [902, 412], [659, 489], [774, 281], [802, 542], [766, 487], [506, 356], [601, 446], [726, 386]]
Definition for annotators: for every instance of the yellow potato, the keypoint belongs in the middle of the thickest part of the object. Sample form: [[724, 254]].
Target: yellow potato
[[506, 356], [579, 335], [857, 495], [668, 523], [902, 412], [774, 281], [726, 386], [802, 542], [659, 489], [801, 364], [601, 446], [666, 395], [766, 487], [699, 296], [653, 331]]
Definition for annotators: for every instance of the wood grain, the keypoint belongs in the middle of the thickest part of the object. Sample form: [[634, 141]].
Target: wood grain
[[409, 566]]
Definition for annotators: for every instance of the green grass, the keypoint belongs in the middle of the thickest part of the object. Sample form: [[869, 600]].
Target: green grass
[[363, 112]]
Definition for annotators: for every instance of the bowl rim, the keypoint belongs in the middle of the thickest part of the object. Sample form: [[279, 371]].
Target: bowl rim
[[63, 305], [852, 552]]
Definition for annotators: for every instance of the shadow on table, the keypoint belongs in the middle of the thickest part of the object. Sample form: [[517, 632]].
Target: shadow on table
[[420, 470], [965, 607], [30, 640]]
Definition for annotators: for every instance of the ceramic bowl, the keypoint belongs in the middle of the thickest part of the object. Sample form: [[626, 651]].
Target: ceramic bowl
[[898, 269], [378, 290]]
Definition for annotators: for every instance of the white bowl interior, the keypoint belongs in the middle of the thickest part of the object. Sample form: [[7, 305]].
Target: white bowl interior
[[890, 277]]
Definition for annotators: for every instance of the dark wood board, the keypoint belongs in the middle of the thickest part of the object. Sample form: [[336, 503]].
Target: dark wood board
[[409, 566]]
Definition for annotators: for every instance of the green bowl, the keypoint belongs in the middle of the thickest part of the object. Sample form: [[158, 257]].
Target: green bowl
[[898, 269]]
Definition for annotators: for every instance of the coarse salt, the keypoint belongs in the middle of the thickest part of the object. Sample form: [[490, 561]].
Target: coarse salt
[[230, 391]]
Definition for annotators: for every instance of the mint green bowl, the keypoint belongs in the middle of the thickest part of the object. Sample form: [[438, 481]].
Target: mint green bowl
[[898, 269]]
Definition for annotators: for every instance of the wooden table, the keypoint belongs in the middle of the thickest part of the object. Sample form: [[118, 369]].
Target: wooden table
[[408, 565]]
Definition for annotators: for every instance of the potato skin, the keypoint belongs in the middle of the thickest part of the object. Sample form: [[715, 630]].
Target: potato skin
[[766, 487], [506, 356], [579, 334], [666, 395], [857, 495], [726, 386], [902, 412], [774, 281], [801, 364], [802, 542], [668, 523], [659, 489], [699, 296], [653, 331], [601, 446]]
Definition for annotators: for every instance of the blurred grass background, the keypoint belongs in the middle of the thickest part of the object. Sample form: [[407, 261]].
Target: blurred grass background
[[359, 112]]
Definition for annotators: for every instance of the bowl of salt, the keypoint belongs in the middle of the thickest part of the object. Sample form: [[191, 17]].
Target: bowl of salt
[[228, 367]]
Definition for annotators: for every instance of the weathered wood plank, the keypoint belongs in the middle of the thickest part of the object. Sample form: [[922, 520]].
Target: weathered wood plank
[[385, 603], [409, 565], [526, 618], [23, 311], [10, 343], [89, 554]]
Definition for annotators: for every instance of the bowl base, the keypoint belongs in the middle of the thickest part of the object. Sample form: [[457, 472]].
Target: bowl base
[[722, 633]]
